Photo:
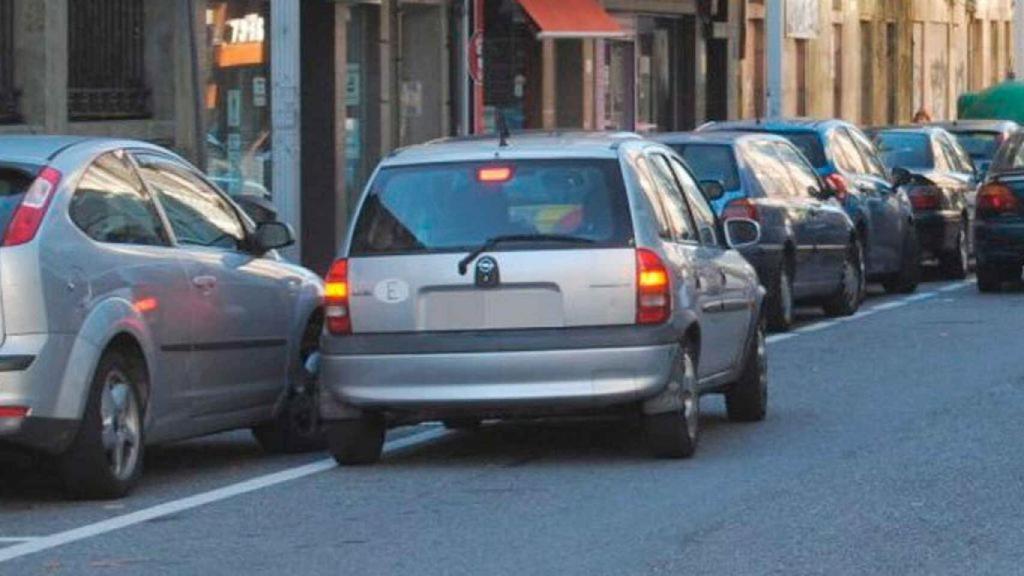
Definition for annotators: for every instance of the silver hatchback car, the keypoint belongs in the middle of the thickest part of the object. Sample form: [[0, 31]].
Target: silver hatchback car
[[139, 305], [552, 274]]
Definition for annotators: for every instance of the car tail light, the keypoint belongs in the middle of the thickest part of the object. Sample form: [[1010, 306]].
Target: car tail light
[[13, 412], [740, 208], [995, 199], [336, 291], [494, 174], [29, 215], [653, 289], [838, 185], [925, 198]]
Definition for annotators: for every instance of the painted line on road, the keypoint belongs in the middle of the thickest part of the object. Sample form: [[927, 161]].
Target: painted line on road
[[17, 539], [25, 548]]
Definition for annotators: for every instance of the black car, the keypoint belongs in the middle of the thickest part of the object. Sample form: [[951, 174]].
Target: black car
[[981, 139], [809, 249], [938, 177], [999, 218], [850, 167]]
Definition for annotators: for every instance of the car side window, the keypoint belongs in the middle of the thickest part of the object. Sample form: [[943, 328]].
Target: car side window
[[943, 161], [872, 162], [805, 180], [650, 190], [111, 205], [672, 198], [768, 170], [960, 159], [702, 213], [198, 214], [847, 156]]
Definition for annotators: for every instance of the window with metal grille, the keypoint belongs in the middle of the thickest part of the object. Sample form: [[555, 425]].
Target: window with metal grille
[[8, 91], [106, 70]]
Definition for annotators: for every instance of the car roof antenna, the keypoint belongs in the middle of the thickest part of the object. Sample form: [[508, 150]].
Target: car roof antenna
[[503, 131]]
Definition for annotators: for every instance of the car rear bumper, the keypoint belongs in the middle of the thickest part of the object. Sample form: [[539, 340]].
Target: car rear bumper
[[999, 244], [937, 232], [31, 375], [516, 380]]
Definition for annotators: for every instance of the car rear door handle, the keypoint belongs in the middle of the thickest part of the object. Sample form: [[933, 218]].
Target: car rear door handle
[[205, 283]]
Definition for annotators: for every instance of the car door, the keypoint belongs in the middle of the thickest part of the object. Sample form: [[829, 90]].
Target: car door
[[737, 307], [241, 302], [888, 213], [686, 247], [134, 261]]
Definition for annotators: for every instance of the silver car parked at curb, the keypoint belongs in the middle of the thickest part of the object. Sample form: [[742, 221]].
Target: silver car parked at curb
[[547, 274], [139, 305]]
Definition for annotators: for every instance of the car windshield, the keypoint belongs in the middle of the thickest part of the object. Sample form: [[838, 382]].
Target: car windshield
[[14, 183], [459, 206], [711, 162], [905, 149], [810, 145], [979, 145]]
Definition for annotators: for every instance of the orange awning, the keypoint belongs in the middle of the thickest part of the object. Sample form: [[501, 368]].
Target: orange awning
[[571, 19]]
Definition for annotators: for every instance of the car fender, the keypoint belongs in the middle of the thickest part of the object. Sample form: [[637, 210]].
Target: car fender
[[308, 299], [106, 320]]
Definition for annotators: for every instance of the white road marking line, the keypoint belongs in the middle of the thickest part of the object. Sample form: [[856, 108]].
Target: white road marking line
[[889, 306], [815, 327], [24, 548], [780, 337], [957, 286], [921, 296], [16, 540]]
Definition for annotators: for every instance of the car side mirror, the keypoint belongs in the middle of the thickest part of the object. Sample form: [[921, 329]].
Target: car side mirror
[[901, 177], [712, 189], [258, 208], [273, 235], [742, 232], [820, 193]]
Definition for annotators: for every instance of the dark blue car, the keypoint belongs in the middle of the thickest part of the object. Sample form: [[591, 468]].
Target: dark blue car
[[999, 218], [852, 171], [809, 249]]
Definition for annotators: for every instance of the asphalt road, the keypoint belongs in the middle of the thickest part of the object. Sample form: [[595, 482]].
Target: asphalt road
[[891, 447]]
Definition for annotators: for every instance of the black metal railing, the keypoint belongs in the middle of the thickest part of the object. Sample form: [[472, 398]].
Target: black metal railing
[[106, 60], [8, 91]]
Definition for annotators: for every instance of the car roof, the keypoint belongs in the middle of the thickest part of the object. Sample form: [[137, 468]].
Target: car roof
[[520, 145], [723, 137], [979, 125], [36, 149], [774, 125], [927, 130]]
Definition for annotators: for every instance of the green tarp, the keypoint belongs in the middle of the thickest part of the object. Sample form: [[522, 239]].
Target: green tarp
[[1001, 102]]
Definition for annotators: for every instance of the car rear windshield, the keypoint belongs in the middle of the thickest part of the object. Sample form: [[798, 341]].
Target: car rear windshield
[[810, 145], [14, 182], [905, 149], [711, 162], [459, 206], [1010, 157], [979, 145]]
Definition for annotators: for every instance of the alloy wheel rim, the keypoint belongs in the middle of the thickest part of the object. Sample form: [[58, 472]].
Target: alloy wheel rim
[[690, 399], [786, 297], [962, 247], [762, 364], [851, 282], [121, 425]]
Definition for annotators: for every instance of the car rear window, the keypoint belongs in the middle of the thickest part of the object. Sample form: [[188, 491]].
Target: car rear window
[[711, 162], [979, 145], [810, 145], [1010, 157], [905, 149], [459, 206], [14, 182]]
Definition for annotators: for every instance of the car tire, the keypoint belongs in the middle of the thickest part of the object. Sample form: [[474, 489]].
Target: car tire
[[846, 300], [104, 461], [955, 265], [357, 441], [909, 276], [747, 399], [462, 424], [779, 300], [990, 279], [676, 433], [297, 427]]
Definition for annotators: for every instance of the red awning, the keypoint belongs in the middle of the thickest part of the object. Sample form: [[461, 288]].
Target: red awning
[[571, 19]]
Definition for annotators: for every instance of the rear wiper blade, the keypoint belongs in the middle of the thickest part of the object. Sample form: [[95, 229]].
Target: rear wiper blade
[[492, 242]]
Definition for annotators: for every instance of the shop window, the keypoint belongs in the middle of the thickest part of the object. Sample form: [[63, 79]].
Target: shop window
[[106, 54], [8, 93], [237, 96]]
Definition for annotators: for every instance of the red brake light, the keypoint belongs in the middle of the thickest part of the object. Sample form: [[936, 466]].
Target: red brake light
[[13, 411], [653, 289], [29, 216], [494, 174], [336, 292], [995, 199], [925, 198], [837, 183], [741, 208]]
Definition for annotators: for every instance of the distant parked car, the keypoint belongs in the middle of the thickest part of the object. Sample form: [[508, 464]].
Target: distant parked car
[[999, 218], [981, 139], [550, 275], [809, 248], [141, 306], [851, 168], [938, 177]]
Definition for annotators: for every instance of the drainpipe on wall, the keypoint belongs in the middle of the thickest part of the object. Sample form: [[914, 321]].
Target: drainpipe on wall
[[199, 107], [775, 36]]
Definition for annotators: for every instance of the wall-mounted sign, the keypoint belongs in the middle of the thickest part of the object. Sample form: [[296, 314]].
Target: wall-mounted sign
[[242, 42], [353, 84], [234, 108], [250, 28], [259, 92]]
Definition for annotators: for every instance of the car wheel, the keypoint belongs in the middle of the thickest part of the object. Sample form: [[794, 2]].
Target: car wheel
[[955, 264], [747, 399], [779, 301], [990, 279], [846, 300], [909, 276], [356, 441], [675, 434], [465, 424], [105, 459]]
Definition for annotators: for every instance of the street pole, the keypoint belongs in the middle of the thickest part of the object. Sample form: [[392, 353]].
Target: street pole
[[775, 36], [285, 132], [1018, 39]]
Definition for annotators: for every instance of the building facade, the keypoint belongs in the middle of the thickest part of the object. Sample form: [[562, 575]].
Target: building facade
[[878, 61]]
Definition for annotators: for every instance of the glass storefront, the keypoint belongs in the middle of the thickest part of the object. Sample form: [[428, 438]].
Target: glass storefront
[[362, 97], [237, 95]]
